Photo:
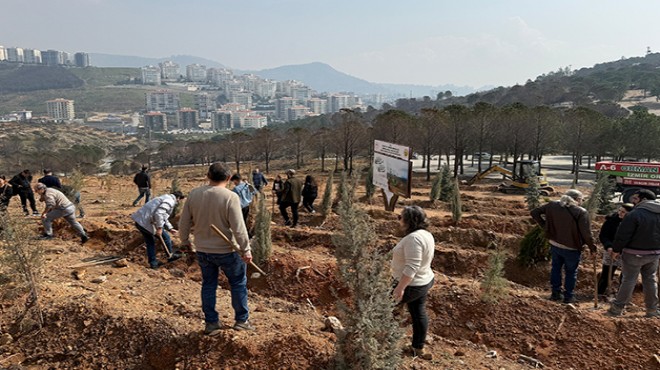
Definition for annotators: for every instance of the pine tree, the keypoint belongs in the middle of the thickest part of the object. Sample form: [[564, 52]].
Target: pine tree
[[455, 200], [370, 188], [340, 189], [605, 195], [534, 248], [372, 335], [262, 247], [326, 203], [600, 197], [175, 187], [494, 285], [436, 187], [446, 185], [533, 193]]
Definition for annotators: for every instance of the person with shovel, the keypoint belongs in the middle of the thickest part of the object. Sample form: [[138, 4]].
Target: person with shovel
[[152, 220], [210, 208]]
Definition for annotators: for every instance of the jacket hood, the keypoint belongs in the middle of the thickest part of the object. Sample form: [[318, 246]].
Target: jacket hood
[[651, 206]]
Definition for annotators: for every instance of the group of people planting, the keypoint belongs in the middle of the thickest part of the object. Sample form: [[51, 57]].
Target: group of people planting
[[631, 241]]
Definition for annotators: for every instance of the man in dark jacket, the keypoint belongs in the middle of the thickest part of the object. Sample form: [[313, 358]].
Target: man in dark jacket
[[143, 182], [258, 180], [638, 242], [6, 192], [291, 198], [606, 236], [22, 184], [50, 180], [567, 227]]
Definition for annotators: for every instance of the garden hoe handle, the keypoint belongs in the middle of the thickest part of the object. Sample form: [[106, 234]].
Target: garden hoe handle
[[595, 262], [610, 276], [235, 248], [167, 250]]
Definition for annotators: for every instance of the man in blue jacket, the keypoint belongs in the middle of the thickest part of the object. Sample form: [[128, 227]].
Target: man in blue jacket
[[245, 192], [638, 242], [259, 180]]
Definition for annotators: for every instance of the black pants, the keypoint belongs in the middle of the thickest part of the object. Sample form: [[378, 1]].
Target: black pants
[[285, 214], [415, 298], [604, 277], [246, 214], [308, 203], [25, 196]]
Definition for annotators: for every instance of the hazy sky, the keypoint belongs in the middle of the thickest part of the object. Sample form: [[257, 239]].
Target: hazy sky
[[486, 42]]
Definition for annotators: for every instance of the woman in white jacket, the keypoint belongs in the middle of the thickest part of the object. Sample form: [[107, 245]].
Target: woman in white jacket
[[411, 269], [152, 220]]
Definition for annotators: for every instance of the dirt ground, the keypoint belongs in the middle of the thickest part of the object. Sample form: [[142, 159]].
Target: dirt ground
[[151, 319]]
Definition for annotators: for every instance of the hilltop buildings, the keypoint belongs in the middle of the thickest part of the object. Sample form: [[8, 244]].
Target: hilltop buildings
[[47, 57]]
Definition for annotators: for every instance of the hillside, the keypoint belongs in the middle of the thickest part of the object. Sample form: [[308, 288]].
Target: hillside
[[25, 78]]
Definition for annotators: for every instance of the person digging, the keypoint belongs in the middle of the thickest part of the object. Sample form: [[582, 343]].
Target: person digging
[[152, 220], [58, 206]]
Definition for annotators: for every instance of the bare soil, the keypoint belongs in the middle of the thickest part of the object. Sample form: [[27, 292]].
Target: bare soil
[[151, 319]]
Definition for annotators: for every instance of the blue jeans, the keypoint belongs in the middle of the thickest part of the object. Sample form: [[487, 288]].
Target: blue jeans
[[234, 269], [144, 192], [568, 260], [633, 265], [150, 241]]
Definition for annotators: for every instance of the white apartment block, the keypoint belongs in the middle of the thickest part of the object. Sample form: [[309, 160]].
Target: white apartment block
[[32, 56], [52, 57], [218, 76], [162, 101], [266, 89], [3, 53], [338, 102], [297, 112], [15, 55], [151, 75], [317, 106], [221, 120], [60, 109], [254, 120], [233, 107], [301, 93], [169, 71], [196, 73], [231, 86]]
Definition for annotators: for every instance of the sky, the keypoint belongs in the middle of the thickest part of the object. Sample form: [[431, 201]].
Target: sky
[[427, 42]]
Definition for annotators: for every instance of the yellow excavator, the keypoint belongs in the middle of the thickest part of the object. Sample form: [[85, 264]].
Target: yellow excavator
[[518, 177]]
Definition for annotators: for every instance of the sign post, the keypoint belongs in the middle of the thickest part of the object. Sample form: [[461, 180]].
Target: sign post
[[392, 171]]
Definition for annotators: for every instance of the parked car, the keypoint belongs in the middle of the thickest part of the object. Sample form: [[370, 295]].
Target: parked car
[[484, 156]]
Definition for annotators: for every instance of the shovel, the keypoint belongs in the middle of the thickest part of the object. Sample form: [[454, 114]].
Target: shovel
[[167, 250], [234, 247]]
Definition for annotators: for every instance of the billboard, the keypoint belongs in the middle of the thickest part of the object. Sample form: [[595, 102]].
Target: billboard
[[392, 168]]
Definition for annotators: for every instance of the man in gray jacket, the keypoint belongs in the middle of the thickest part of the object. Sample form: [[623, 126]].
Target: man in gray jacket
[[58, 206], [152, 220], [638, 242]]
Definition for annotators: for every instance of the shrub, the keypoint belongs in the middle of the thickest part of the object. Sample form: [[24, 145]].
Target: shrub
[[534, 248], [262, 247], [494, 285], [533, 193], [23, 258], [445, 184], [456, 204], [436, 187], [326, 203], [77, 180], [175, 186], [601, 196], [372, 335]]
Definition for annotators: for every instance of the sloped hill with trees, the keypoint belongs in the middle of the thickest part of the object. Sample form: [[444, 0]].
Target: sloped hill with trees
[[24, 78]]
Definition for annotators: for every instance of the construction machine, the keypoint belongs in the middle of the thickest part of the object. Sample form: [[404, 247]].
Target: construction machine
[[518, 178]]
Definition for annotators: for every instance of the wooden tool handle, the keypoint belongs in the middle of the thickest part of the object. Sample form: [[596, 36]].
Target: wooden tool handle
[[234, 247]]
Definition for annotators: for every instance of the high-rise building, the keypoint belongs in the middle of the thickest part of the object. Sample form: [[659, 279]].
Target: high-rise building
[[241, 97], [52, 57], [3, 53], [188, 119], [82, 59], [266, 89], [68, 58], [15, 55], [338, 102], [282, 106], [297, 112], [151, 75], [60, 109], [155, 121], [205, 105], [32, 56], [169, 71], [218, 76], [301, 93], [196, 73], [162, 101], [317, 105], [221, 120]]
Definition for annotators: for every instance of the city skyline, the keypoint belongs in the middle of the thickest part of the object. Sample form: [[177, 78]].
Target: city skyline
[[422, 42]]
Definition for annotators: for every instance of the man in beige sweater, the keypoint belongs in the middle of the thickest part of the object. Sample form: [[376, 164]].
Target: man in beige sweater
[[214, 204]]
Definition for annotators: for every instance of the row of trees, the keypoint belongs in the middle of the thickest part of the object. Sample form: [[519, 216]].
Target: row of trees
[[512, 132]]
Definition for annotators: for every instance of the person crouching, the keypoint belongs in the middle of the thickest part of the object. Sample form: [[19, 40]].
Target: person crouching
[[58, 206]]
